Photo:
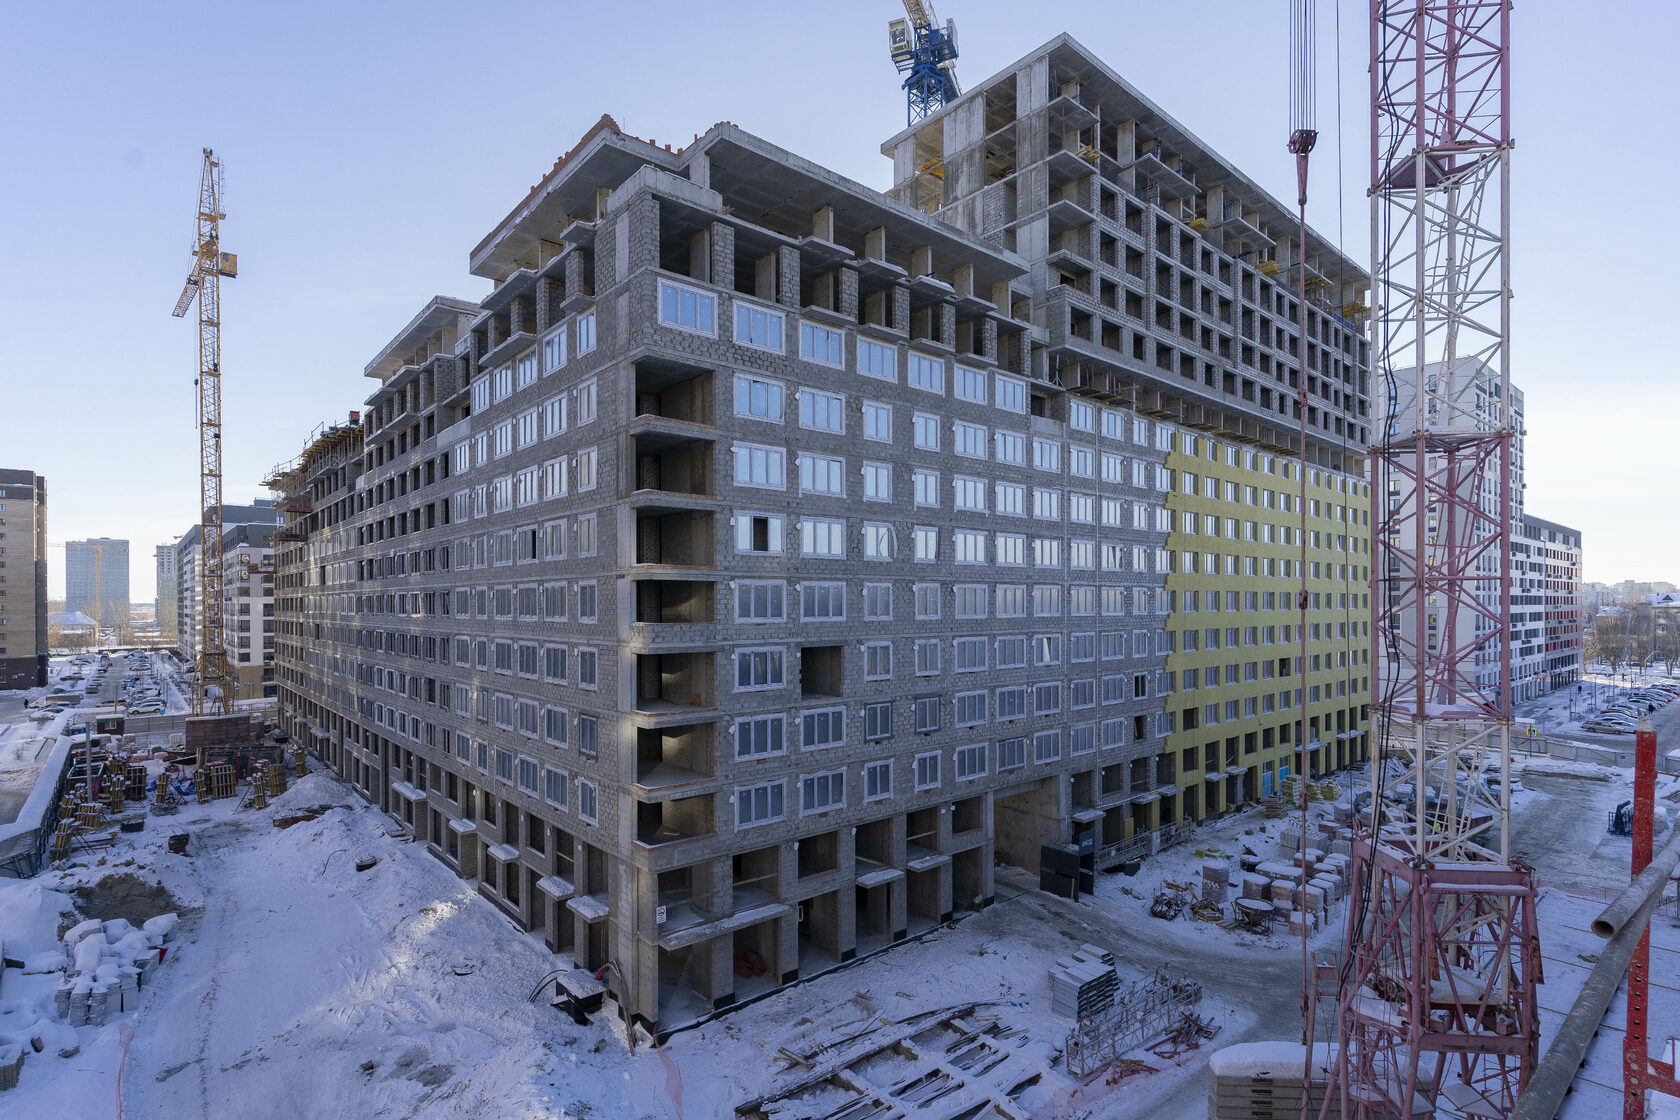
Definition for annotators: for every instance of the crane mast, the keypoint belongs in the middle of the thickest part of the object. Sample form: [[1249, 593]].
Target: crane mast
[[926, 54], [213, 691]]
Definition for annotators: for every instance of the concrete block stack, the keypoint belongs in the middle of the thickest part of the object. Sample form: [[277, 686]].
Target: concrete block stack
[[1083, 984]]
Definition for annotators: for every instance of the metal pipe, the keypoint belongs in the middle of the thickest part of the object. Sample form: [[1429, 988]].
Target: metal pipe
[[1631, 902], [1556, 1071]]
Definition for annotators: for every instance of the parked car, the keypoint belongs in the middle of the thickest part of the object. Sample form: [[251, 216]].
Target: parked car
[[1604, 727]]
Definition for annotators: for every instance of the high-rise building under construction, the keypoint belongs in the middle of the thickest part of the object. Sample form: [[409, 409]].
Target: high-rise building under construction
[[768, 556]]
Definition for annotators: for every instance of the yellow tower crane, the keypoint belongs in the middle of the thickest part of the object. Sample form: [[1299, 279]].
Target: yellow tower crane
[[213, 691]]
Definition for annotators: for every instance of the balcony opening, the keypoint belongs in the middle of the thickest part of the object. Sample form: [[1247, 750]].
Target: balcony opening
[[671, 757], [674, 391], [674, 681], [674, 465], [680, 538], [818, 855], [969, 815], [822, 671], [675, 602], [667, 822]]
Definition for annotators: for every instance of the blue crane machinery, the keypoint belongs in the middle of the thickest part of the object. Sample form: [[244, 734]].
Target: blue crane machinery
[[926, 54]]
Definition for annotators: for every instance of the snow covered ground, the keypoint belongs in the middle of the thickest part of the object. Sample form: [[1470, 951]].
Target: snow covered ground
[[297, 986]]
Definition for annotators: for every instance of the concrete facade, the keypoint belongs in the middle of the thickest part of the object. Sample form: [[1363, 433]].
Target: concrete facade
[[96, 578], [168, 592], [23, 579], [726, 592], [248, 580], [1547, 614]]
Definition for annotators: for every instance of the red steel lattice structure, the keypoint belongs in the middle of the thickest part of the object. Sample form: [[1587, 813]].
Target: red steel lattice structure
[[1436, 1009]]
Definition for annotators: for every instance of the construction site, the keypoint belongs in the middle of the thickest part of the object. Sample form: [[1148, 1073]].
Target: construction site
[[1035, 639]]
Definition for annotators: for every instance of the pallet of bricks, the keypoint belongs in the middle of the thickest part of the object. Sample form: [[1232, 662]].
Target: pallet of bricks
[[1268, 1081]]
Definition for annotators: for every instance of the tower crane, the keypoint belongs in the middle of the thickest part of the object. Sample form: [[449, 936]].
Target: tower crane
[[927, 54], [213, 691]]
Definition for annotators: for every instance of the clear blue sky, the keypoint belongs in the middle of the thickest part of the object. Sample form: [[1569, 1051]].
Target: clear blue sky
[[370, 145]]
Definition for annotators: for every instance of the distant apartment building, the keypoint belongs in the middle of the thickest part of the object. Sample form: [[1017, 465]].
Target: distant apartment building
[[766, 557], [248, 591], [168, 592], [96, 579], [1547, 616], [23, 579]]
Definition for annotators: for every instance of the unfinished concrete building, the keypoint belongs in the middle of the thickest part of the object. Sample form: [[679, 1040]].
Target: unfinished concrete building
[[742, 578]]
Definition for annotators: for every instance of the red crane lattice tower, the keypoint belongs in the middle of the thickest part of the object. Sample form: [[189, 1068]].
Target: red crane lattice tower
[[1436, 1002]]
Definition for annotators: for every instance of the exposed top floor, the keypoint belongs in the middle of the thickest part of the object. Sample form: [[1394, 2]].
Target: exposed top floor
[[434, 330], [1536, 528], [768, 194], [1129, 135]]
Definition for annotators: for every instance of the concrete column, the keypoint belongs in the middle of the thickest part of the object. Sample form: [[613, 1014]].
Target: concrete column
[[921, 261], [580, 275], [787, 276], [822, 223], [875, 244], [641, 971], [989, 339], [947, 323], [900, 888], [845, 933], [723, 255]]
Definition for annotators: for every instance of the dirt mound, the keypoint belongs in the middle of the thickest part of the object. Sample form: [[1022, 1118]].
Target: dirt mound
[[124, 896]]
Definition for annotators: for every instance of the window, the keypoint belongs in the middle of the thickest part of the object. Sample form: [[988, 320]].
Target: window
[[504, 383], [759, 736], [1011, 548], [760, 466], [758, 398], [969, 440], [822, 601], [586, 390], [759, 600], [1047, 746], [1010, 499], [1011, 753], [1011, 394], [969, 546], [586, 476], [759, 533], [823, 412], [758, 669], [927, 657], [526, 428], [504, 766], [877, 421], [926, 431], [1082, 416], [971, 708], [877, 482], [481, 394], [819, 792], [554, 479], [758, 326], [586, 665], [927, 489], [1011, 702], [554, 726], [927, 771], [926, 600], [1047, 698], [1047, 600], [528, 772], [554, 351], [822, 537], [589, 736], [822, 727], [971, 600], [586, 535], [926, 710], [927, 543], [877, 540], [876, 360], [758, 804], [819, 344], [586, 333], [970, 385], [1047, 552], [877, 601], [1011, 448], [877, 720], [822, 474], [554, 788], [927, 373], [687, 308], [877, 780], [1047, 455], [1082, 461], [877, 661], [970, 761], [1047, 504], [501, 438]]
